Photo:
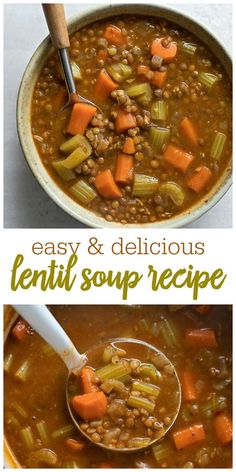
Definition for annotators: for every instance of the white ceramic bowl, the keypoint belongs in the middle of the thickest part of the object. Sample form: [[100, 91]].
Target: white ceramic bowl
[[24, 111]]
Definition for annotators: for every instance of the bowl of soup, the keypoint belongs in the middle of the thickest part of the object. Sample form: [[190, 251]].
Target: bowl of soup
[[157, 150], [196, 340]]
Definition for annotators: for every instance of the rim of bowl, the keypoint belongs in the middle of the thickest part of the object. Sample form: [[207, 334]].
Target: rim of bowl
[[74, 209]]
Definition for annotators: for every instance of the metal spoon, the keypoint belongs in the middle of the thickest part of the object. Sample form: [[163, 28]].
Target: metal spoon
[[44, 323], [55, 17]]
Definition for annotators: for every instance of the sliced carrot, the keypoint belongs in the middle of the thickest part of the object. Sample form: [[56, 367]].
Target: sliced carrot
[[124, 121], [88, 380], [199, 179], [114, 35], [190, 435], [159, 78], [104, 86], [129, 146], [188, 130], [124, 169], [102, 54], [81, 115], [223, 428], [106, 186], [75, 445], [201, 337], [167, 53], [90, 406], [178, 157], [189, 386], [20, 330], [202, 309], [60, 99], [143, 70]]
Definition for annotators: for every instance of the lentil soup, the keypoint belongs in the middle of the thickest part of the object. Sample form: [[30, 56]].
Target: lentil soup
[[161, 138], [197, 340]]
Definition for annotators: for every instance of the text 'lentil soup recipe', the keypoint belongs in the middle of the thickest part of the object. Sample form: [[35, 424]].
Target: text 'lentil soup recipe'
[[160, 138], [122, 398]]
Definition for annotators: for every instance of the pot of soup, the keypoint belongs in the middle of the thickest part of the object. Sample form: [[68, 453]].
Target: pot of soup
[[138, 396]]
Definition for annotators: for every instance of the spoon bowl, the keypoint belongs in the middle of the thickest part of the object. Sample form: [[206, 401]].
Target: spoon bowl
[[44, 323]]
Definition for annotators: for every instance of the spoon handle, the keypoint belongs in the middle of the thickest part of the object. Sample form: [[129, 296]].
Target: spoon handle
[[42, 321], [55, 16]]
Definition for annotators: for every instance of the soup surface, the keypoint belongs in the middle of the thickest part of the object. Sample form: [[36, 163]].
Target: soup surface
[[161, 136], [197, 340]]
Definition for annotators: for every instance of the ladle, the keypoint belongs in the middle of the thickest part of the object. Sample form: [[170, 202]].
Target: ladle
[[44, 323], [55, 17]]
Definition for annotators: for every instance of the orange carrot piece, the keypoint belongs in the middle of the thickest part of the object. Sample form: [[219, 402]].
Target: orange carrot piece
[[106, 186], [199, 179], [81, 115], [188, 130], [104, 86], [88, 380], [177, 157], [19, 331], [102, 54], [202, 309], [114, 35], [75, 445], [190, 435], [129, 146], [223, 428], [167, 53], [142, 69], [124, 121], [201, 337], [124, 169], [159, 78], [90, 406], [189, 386]]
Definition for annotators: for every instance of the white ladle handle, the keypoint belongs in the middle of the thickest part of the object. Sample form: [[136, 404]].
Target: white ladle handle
[[42, 321]]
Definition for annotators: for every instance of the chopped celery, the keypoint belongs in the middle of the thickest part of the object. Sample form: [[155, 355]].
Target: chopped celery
[[149, 370], [62, 171], [22, 372], [217, 146], [83, 192], [119, 72], [207, 79], [169, 334], [20, 410], [214, 404], [78, 155], [63, 432], [27, 437], [76, 71], [142, 92], [187, 48], [145, 387], [71, 144], [161, 452], [144, 185], [140, 402], [159, 137], [42, 430], [174, 192], [139, 442], [113, 371], [175, 307], [8, 362], [143, 326], [10, 419], [159, 110]]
